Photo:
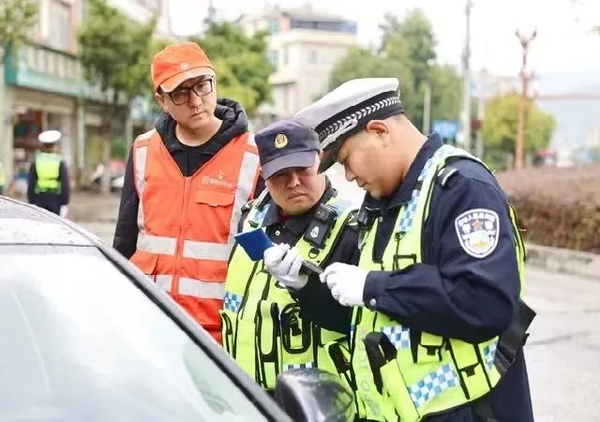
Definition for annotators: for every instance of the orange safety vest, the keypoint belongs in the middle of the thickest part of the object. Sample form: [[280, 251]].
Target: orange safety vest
[[186, 224]]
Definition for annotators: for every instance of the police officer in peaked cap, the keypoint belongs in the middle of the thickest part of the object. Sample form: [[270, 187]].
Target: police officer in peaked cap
[[48, 179], [438, 322], [306, 220]]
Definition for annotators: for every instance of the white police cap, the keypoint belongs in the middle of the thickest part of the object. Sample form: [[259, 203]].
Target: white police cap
[[49, 136], [347, 110]]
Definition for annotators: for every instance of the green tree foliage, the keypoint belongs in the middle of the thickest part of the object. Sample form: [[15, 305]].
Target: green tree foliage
[[116, 55], [16, 18], [115, 51], [407, 52], [500, 128], [241, 63]]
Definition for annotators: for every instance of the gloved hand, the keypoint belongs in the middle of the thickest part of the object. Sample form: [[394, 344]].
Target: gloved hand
[[346, 282], [64, 210], [284, 264]]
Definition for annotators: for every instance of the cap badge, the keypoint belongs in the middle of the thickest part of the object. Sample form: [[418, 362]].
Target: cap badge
[[281, 141], [184, 66]]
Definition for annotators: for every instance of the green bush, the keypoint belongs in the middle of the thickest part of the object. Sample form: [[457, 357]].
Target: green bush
[[557, 207]]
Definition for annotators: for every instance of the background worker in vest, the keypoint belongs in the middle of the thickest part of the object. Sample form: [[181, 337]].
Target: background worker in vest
[[48, 180], [185, 184], [440, 270], [305, 219], [2, 180]]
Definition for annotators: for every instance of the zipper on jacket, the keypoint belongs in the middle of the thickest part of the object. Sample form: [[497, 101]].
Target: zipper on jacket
[[180, 239]]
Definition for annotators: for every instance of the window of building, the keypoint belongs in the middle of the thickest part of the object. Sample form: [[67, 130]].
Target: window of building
[[274, 58], [285, 56], [60, 25], [273, 25]]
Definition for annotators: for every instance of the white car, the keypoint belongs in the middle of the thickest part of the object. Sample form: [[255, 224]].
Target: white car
[[87, 337]]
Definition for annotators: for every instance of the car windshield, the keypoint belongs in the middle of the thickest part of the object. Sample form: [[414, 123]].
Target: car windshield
[[80, 342]]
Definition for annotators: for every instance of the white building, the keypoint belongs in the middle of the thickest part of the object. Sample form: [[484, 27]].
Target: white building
[[304, 46]]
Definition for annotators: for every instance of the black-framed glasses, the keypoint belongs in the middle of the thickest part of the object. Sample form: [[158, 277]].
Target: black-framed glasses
[[182, 95]]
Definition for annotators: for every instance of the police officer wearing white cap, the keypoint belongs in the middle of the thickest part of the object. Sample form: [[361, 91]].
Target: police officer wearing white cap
[[438, 324], [48, 181]]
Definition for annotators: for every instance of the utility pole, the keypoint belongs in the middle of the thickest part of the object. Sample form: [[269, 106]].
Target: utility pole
[[466, 82], [525, 78], [427, 109]]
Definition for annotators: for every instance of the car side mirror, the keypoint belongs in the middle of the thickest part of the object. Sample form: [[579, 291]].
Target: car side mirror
[[314, 395]]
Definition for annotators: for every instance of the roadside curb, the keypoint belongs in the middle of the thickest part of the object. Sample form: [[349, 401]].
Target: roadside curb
[[584, 264]]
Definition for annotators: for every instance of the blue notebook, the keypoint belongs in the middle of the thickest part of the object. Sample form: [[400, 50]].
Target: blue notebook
[[255, 242]]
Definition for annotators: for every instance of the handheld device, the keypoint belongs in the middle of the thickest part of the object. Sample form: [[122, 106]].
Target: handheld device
[[255, 242]]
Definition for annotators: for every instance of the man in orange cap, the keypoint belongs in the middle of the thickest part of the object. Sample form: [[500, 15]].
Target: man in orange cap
[[185, 184]]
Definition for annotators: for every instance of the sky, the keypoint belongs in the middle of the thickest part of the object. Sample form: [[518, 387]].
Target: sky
[[565, 42]]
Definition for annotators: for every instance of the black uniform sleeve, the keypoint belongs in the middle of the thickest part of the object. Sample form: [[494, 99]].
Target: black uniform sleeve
[[65, 186], [316, 302], [126, 231], [454, 293], [31, 182]]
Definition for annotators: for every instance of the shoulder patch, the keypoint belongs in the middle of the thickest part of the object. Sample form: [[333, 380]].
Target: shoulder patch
[[478, 231]]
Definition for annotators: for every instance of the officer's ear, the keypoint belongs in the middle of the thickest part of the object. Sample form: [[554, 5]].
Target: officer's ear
[[380, 129]]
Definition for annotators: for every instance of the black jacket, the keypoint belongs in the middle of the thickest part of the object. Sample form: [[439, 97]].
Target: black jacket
[[316, 302], [453, 292], [49, 201], [188, 159]]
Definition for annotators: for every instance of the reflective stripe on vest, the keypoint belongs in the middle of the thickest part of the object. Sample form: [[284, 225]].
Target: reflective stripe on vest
[[185, 223], [47, 167], [432, 374], [262, 327]]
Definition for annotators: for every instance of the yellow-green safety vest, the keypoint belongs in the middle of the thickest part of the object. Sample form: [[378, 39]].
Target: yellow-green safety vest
[[262, 327], [437, 374], [47, 166]]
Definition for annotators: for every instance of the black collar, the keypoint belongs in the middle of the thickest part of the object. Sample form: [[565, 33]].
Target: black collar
[[297, 224]]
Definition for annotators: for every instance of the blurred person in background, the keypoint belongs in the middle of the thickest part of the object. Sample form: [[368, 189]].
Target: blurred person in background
[[185, 184], [48, 180]]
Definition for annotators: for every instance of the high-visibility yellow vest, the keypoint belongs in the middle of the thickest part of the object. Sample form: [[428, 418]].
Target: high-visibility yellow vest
[[47, 166], [262, 327], [437, 374]]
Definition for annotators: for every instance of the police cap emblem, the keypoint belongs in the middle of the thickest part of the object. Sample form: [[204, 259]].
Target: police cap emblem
[[281, 141]]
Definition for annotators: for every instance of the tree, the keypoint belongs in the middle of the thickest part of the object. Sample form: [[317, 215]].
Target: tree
[[16, 17], [500, 128], [407, 51], [115, 54], [241, 63]]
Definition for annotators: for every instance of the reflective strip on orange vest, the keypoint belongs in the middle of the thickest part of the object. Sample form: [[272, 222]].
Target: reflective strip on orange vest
[[201, 289], [192, 287], [164, 282], [244, 187], [157, 244], [206, 250]]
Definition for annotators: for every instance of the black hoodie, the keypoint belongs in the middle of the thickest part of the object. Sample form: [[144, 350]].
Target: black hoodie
[[188, 159]]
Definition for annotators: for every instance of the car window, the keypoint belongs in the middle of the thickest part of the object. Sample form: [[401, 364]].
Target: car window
[[80, 342]]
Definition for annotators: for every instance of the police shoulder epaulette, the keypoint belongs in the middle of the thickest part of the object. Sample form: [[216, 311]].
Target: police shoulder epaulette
[[444, 176], [352, 220]]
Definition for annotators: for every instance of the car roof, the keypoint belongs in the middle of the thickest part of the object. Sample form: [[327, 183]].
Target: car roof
[[22, 223]]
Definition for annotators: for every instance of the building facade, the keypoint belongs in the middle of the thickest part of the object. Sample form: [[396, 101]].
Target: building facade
[[42, 87], [304, 45]]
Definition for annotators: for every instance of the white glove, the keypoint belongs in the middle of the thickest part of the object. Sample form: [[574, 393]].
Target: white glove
[[64, 210], [346, 282], [284, 264]]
